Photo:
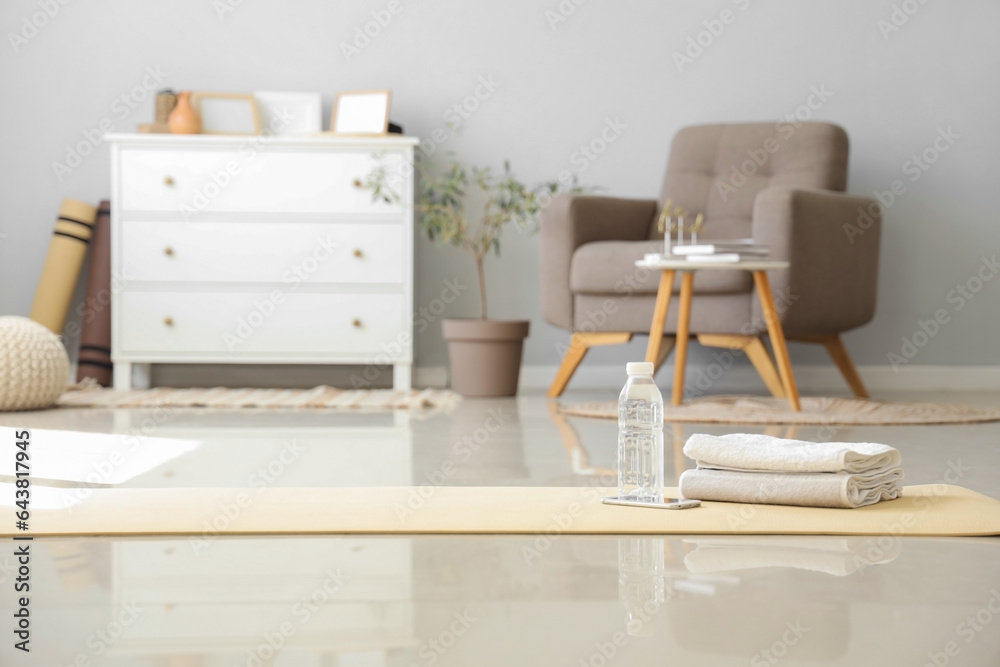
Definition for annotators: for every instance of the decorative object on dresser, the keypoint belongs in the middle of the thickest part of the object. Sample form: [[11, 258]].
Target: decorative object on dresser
[[289, 261], [184, 119], [62, 264], [227, 113], [485, 354], [285, 114], [166, 100], [94, 360], [361, 113]]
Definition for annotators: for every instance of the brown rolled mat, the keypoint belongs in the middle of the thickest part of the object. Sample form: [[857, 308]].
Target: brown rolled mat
[[94, 360], [928, 510], [63, 263]]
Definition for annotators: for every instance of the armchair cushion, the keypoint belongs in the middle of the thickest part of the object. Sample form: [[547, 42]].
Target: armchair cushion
[[569, 222], [608, 267]]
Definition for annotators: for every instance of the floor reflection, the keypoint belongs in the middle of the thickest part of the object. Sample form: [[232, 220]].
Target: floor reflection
[[487, 600], [451, 600]]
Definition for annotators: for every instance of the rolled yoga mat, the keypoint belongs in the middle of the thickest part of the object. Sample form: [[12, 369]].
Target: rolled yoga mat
[[95, 330], [63, 263], [547, 512]]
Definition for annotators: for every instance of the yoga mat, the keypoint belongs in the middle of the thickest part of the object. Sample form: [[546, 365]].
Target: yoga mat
[[929, 510], [62, 264], [95, 330]]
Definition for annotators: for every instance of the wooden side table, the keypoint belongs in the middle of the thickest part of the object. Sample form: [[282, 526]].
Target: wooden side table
[[759, 269]]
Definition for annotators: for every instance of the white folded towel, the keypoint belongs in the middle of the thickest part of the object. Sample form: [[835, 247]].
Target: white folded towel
[[823, 489], [764, 453]]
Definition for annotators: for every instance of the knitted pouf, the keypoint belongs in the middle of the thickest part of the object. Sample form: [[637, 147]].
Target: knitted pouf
[[34, 368]]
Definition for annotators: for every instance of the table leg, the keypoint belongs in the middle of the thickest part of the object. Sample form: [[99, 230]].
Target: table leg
[[777, 337], [659, 316], [683, 328]]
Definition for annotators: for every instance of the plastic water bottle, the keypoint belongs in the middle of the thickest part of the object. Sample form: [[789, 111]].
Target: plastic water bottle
[[640, 436]]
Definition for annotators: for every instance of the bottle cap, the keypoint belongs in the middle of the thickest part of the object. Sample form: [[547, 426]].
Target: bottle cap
[[639, 368]]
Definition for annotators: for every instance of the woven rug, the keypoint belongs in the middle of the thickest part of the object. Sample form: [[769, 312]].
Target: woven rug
[[321, 397], [815, 411]]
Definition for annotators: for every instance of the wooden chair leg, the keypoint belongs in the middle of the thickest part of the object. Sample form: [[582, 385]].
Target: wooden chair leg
[[755, 351], [666, 345], [579, 460], [578, 346], [761, 360], [838, 352], [777, 335]]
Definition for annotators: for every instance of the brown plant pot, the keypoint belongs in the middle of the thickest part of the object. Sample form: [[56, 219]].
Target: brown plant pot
[[485, 355]]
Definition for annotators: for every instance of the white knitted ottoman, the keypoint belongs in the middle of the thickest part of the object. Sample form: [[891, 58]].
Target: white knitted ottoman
[[34, 367]]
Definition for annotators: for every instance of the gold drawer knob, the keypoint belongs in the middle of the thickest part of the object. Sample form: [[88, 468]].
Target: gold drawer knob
[[356, 322], [169, 321], [357, 182], [357, 252], [168, 181], [168, 251]]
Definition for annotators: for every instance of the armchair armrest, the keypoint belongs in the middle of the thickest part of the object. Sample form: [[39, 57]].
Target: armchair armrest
[[569, 222], [832, 242]]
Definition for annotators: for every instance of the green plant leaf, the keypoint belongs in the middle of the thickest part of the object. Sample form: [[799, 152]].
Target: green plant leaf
[[441, 194]]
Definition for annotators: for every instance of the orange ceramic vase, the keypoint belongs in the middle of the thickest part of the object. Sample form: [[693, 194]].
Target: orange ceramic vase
[[184, 119]]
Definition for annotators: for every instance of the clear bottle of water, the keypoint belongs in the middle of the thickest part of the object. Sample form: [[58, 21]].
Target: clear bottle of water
[[640, 436]]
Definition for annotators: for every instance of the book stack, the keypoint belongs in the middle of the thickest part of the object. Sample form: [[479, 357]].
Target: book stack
[[728, 252]]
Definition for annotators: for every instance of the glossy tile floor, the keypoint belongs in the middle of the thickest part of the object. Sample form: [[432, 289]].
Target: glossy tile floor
[[208, 601]]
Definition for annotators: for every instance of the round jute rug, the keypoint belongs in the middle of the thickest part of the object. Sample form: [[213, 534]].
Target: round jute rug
[[815, 411]]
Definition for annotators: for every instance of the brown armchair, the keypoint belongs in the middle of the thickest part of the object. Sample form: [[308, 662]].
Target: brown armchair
[[780, 184]]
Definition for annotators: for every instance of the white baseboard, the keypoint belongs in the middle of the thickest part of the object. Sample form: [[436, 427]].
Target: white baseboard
[[745, 379], [430, 376]]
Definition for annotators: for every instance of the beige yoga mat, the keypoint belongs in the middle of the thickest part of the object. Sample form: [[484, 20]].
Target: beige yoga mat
[[63, 263], [929, 510]]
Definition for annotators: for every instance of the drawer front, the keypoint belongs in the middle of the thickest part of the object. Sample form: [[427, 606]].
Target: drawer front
[[227, 325], [191, 182], [290, 253]]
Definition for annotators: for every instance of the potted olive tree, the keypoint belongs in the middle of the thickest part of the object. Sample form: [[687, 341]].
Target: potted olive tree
[[469, 209]]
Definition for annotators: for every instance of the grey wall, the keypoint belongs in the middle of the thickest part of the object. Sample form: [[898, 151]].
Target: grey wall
[[557, 87]]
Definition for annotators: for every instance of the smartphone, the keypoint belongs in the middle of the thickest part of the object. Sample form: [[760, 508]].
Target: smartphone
[[667, 504]]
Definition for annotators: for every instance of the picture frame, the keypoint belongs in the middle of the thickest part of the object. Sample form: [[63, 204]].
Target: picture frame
[[361, 113], [227, 113], [290, 113]]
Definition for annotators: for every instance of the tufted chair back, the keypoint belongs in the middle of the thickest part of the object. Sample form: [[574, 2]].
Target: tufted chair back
[[719, 169]]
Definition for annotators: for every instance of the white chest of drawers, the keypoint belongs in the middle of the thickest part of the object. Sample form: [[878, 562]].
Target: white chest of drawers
[[261, 250]]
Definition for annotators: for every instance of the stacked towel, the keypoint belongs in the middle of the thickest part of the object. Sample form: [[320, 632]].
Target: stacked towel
[[750, 468]]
